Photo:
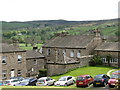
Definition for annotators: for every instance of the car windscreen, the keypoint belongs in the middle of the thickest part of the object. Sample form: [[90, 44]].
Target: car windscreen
[[98, 77], [115, 76], [80, 78], [62, 79], [15, 81], [6, 82], [41, 80]]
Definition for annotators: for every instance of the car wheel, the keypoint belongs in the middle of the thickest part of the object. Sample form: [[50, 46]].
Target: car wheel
[[94, 85], [88, 85], [104, 84], [66, 84]]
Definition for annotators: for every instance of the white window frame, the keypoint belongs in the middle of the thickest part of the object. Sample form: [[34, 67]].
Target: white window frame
[[4, 59], [78, 54], [104, 60], [19, 71], [72, 53], [19, 58]]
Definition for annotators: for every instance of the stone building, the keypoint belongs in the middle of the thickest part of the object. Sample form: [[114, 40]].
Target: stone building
[[109, 49], [66, 52], [12, 61], [34, 62]]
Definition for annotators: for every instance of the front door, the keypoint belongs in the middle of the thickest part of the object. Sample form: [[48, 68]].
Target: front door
[[12, 73]]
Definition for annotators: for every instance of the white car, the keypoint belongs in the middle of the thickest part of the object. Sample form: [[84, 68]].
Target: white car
[[11, 82], [45, 81], [65, 81]]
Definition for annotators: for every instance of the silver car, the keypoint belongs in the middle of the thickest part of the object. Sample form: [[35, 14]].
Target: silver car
[[45, 81]]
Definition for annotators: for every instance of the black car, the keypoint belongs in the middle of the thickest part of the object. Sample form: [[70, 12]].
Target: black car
[[100, 80], [28, 82]]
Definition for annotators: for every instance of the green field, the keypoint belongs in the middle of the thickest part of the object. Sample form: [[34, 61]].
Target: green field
[[22, 46]]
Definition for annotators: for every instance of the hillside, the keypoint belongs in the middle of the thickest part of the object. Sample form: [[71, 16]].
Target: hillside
[[41, 31]]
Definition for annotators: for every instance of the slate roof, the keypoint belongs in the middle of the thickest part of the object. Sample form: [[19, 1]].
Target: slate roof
[[70, 41], [9, 48], [33, 54], [108, 46]]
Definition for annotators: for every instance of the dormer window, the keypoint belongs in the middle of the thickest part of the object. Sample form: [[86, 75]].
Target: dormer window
[[19, 58], [72, 53], [48, 52]]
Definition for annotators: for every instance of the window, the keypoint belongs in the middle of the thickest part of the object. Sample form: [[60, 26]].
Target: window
[[115, 59], [19, 73], [72, 54], [4, 74], [35, 62], [64, 52], [104, 60], [4, 58], [19, 58], [78, 54], [48, 52]]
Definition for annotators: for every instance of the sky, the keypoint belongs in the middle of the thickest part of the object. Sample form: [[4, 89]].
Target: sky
[[72, 10]]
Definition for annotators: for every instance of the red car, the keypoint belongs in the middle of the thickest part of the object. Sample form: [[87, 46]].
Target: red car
[[113, 80], [84, 80]]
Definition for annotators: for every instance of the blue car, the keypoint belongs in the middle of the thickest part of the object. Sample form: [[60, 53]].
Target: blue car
[[1, 83], [100, 80], [27, 82]]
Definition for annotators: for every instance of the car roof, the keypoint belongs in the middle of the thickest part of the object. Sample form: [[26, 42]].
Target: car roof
[[43, 78], [100, 74], [83, 75], [65, 76], [118, 71]]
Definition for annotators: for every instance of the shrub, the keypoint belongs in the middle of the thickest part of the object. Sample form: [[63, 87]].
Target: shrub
[[42, 73], [96, 60]]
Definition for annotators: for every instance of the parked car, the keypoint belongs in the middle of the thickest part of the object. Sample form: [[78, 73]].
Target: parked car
[[1, 83], [11, 82], [45, 81], [27, 82], [100, 80], [65, 81], [113, 79], [116, 72], [84, 80], [17, 78]]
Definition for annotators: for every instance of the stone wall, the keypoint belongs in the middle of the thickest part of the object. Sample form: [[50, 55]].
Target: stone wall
[[57, 69]]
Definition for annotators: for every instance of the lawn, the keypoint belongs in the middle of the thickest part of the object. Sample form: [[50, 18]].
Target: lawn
[[91, 70]]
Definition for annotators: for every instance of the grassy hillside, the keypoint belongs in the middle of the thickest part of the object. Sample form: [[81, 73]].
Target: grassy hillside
[[90, 70], [41, 31]]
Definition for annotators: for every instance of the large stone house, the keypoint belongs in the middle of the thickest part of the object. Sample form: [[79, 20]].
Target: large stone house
[[66, 52], [109, 49], [15, 62], [12, 61], [34, 62]]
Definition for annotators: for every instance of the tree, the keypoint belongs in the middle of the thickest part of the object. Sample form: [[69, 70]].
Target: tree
[[108, 58]]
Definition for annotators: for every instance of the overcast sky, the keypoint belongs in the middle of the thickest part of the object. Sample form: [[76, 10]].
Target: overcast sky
[[28, 10]]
